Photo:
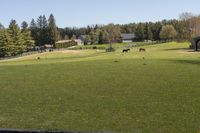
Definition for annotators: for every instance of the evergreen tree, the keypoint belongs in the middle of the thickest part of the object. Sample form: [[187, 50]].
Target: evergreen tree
[[44, 22], [148, 32], [5, 44], [96, 27], [28, 40], [89, 29], [53, 31], [101, 41], [156, 30], [40, 22], [16, 38], [24, 25], [39, 40], [42, 31], [140, 32], [33, 24], [34, 30]]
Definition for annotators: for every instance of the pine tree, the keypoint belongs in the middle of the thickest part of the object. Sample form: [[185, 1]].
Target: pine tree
[[53, 31], [40, 22], [148, 32], [16, 38], [24, 25], [5, 41], [101, 41], [42, 31], [28, 40], [34, 29], [33, 24], [44, 22], [140, 32], [156, 27]]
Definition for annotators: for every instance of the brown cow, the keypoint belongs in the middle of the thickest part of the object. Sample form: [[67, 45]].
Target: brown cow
[[126, 50], [142, 50]]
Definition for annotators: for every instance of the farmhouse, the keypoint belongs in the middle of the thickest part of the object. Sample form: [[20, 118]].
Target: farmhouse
[[128, 37], [79, 42], [48, 46]]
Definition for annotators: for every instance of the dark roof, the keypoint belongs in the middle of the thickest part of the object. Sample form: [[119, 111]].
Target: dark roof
[[128, 36], [124, 36], [82, 37]]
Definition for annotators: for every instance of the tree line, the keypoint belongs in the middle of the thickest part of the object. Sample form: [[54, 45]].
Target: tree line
[[44, 31], [16, 40], [182, 29], [143, 31]]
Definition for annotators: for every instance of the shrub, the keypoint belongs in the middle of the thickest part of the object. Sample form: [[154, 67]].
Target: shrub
[[110, 49], [89, 47], [191, 46], [65, 44], [94, 47]]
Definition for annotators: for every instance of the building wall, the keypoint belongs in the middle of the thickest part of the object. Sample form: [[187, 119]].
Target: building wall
[[126, 41]]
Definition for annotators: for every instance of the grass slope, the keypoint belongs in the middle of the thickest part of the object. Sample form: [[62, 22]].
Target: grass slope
[[152, 92]]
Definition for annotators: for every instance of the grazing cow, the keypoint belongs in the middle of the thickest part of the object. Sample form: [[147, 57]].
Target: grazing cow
[[126, 50], [142, 50]]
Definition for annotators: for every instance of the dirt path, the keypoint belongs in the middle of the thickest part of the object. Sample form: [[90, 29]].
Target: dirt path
[[70, 51]]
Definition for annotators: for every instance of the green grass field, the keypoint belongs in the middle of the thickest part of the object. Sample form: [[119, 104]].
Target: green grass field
[[157, 91]]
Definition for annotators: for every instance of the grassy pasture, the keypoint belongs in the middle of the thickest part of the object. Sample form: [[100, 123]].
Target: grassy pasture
[[157, 91]]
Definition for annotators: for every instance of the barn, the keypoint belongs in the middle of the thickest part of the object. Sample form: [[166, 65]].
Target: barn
[[128, 37]]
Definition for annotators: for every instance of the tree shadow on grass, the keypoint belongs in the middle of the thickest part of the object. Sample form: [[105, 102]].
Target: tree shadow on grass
[[44, 61], [59, 58], [78, 56], [174, 49], [192, 62]]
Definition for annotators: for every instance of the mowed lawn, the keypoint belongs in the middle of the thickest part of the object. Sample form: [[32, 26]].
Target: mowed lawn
[[157, 91]]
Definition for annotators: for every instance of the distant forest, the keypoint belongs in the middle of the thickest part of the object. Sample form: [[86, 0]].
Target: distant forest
[[186, 27]]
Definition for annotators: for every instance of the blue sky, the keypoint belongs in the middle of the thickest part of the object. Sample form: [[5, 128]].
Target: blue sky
[[79, 13]]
